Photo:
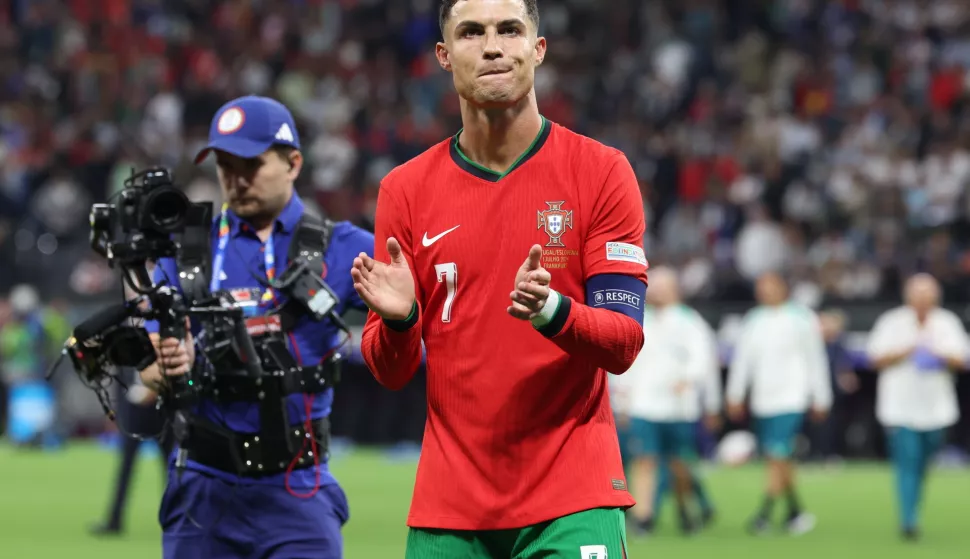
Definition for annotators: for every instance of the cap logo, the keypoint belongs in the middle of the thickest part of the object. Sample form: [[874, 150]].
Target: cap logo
[[231, 120], [284, 134]]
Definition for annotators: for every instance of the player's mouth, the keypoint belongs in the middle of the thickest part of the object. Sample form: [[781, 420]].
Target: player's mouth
[[495, 72]]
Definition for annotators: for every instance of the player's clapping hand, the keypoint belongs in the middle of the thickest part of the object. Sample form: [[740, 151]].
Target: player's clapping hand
[[531, 287], [386, 289]]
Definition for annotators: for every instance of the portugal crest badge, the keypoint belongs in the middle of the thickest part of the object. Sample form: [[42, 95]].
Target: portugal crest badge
[[555, 220]]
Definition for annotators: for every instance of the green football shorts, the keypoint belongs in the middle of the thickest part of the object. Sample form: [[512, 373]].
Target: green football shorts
[[592, 534]]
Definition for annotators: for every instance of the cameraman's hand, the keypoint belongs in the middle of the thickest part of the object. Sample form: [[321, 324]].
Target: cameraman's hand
[[175, 357]]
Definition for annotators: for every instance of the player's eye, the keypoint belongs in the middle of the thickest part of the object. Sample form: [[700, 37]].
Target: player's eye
[[510, 31], [468, 33]]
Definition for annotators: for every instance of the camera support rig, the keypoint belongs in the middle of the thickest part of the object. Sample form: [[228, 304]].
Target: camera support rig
[[153, 220]]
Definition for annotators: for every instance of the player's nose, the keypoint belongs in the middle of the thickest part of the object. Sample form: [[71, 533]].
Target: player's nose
[[492, 48]]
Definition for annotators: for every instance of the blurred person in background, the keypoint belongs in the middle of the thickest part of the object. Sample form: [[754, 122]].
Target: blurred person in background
[[138, 421], [662, 402], [917, 348], [5, 316], [780, 357], [708, 430], [829, 440], [25, 353]]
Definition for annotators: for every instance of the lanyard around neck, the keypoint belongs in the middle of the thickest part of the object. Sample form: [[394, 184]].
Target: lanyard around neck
[[218, 263]]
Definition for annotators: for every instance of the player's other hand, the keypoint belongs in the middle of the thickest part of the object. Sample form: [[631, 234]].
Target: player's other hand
[[735, 412], [531, 286], [386, 289]]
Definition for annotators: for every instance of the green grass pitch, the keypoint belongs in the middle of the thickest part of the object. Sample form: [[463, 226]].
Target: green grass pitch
[[48, 500]]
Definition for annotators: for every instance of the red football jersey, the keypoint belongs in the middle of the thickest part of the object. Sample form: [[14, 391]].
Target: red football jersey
[[518, 431]]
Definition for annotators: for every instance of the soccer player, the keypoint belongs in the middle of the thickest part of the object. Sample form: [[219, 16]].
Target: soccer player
[[916, 348], [781, 357], [514, 251], [663, 399], [284, 507]]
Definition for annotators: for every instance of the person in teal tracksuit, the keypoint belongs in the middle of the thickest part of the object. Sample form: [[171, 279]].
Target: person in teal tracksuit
[[916, 348], [780, 357], [659, 400]]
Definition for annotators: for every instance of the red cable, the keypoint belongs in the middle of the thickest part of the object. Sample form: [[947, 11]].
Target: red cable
[[308, 400]]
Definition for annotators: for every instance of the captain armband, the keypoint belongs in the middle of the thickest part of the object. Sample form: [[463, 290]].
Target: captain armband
[[618, 293]]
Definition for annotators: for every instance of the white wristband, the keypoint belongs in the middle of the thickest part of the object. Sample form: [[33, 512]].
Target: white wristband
[[548, 311]]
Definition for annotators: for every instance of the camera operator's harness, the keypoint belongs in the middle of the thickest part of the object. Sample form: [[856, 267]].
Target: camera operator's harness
[[278, 446]]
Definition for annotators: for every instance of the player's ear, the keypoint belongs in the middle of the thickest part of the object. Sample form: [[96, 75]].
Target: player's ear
[[441, 53], [540, 50]]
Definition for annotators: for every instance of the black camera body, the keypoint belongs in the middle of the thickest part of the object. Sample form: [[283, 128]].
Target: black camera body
[[140, 225]]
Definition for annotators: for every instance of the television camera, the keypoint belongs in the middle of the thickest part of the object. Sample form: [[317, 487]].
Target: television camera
[[153, 219]]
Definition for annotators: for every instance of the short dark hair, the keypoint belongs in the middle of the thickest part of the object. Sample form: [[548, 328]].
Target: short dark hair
[[531, 9]]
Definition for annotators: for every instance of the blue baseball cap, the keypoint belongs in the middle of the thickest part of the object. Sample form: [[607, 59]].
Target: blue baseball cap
[[248, 126]]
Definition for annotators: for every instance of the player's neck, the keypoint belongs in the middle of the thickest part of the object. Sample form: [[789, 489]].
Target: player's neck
[[496, 138], [922, 315]]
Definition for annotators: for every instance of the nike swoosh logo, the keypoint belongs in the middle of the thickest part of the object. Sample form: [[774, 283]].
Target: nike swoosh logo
[[426, 242]]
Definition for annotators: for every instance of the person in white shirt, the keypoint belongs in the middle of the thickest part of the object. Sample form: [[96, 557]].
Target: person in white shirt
[[659, 398], [916, 348], [780, 356], [711, 395]]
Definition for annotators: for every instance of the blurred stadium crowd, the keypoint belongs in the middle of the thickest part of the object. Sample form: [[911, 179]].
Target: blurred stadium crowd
[[825, 139]]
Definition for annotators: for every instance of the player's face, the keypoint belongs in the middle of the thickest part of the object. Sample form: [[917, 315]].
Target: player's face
[[257, 188], [771, 290], [663, 288], [492, 49], [922, 293]]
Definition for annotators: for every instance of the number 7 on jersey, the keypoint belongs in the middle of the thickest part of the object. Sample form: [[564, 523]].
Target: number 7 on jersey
[[447, 273]]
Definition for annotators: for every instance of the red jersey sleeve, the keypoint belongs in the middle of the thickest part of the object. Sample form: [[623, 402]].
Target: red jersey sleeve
[[392, 351], [614, 244], [614, 248]]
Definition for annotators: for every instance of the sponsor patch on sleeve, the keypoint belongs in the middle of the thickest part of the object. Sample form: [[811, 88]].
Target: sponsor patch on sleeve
[[625, 252]]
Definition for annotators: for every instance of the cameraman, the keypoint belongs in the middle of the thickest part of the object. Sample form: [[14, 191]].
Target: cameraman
[[209, 511]]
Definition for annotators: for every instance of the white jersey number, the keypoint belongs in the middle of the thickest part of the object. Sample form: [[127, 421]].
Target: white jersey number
[[448, 273]]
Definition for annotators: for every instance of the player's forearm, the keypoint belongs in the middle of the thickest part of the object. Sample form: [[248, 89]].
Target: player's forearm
[[886, 361], [737, 384], [607, 339], [391, 350], [822, 394], [954, 363]]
